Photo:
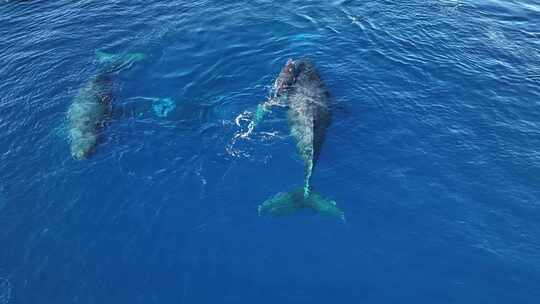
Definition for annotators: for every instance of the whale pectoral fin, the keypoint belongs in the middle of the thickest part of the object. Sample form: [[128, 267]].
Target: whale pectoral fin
[[162, 107], [105, 57], [134, 107], [261, 111], [285, 203], [61, 130], [118, 62], [265, 108]]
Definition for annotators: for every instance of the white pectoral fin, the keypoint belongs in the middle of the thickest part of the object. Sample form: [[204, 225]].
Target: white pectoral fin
[[262, 110], [105, 57], [265, 108], [117, 62], [141, 105]]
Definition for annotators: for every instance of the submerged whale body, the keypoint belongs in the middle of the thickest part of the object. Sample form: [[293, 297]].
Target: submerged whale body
[[87, 113], [309, 115]]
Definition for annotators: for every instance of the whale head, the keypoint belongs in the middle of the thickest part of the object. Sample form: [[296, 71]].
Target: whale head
[[82, 144], [285, 79]]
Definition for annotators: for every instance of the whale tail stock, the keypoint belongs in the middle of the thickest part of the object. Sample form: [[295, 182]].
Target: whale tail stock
[[285, 203]]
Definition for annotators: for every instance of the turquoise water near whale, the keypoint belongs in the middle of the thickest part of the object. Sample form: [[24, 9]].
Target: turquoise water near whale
[[433, 153]]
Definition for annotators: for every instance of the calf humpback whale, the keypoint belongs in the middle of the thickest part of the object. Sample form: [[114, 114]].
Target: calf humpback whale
[[87, 113], [300, 88]]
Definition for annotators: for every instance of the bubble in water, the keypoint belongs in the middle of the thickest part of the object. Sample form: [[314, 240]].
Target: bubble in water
[[246, 123], [5, 291]]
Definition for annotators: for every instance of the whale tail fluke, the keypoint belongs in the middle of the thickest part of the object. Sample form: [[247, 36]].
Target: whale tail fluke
[[117, 62], [285, 203]]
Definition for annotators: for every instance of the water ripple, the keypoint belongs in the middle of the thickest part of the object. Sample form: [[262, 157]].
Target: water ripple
[[435, 129]]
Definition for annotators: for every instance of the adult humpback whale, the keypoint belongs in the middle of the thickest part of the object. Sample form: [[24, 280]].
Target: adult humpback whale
[[300, 88], [92, 104]]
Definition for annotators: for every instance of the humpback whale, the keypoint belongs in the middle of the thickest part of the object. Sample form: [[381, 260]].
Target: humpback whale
[[301, 90], [87, 113]]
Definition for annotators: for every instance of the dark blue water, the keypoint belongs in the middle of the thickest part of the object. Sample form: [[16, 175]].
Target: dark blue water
[[433, 153]]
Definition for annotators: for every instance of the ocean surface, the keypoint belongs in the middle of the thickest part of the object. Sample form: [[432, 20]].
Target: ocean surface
[[433, 153]]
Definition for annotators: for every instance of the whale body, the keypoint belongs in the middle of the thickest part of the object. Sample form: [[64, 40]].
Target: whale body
[[308, 115], [91, 106], [86, 115]]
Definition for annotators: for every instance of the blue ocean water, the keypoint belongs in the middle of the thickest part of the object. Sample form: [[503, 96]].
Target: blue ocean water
[[433, 153]]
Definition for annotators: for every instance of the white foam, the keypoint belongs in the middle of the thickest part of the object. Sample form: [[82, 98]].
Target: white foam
[[246, 124]]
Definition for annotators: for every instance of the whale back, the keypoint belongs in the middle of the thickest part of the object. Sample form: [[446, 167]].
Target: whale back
[[309, 114]]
